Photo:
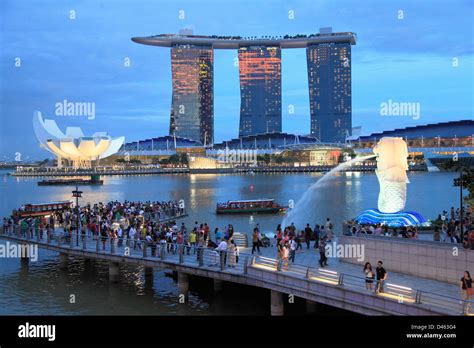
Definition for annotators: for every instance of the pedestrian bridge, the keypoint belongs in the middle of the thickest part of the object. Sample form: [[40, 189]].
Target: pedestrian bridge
[[316, 285]]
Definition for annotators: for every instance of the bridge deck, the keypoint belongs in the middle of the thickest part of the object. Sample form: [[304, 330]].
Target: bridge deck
[[340, 284]]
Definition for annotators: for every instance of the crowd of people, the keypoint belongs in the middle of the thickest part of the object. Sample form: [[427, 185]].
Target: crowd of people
[[136, 225], [109, 219], [289, 240], [446, 228], [410, 232], [132, 223]]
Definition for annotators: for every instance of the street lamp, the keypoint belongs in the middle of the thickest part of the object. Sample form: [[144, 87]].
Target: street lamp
[[77, 194]]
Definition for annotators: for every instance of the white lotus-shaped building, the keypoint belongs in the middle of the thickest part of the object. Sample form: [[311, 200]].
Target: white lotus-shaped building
[[73, 145]]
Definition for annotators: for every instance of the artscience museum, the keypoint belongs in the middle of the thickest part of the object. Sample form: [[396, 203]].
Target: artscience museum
[[73, 146]]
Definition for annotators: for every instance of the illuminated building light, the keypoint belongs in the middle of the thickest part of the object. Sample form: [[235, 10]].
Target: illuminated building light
[[404, 218]]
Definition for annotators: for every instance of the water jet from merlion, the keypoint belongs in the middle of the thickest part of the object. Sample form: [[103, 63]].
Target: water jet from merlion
[[392, 166]]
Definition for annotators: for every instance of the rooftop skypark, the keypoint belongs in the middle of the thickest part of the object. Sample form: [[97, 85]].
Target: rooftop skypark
[[232, 42]]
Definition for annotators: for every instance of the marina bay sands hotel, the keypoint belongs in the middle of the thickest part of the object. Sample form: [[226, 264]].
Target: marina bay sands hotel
[[192, 59]]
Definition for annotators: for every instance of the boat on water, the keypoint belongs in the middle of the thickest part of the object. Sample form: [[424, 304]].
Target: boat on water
[[253, 206], [41, 209]]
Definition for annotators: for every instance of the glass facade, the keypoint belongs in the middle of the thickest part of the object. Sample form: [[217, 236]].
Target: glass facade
[[260, 90], [192, 106], [329, 76]]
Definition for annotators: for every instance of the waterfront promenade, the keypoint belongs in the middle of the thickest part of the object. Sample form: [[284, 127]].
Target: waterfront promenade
[[156, 170], [339, 285]]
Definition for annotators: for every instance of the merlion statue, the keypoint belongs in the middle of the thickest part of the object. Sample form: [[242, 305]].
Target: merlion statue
[[391, 170]]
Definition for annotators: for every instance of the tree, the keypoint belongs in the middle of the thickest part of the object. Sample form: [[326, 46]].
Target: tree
[[184, 159], [467, 176]]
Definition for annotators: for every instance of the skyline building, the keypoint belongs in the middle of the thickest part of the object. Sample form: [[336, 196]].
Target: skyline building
[[260, 90], [192, 105], [329, 79], [330, 95]]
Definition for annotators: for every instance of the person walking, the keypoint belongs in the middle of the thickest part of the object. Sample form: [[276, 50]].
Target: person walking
[[104, 235], [323, 260], [279, 235], [120, 236], [369, 276], [200, 245], [231, 252], [298, 238], [222, 249], [255, 241], [285, 255], [329, 225], [316, 236], [381, 277], [236, 251], [218, 234], [280, 250], [192, 240], [465, 286], [308, 233], [292, 247]]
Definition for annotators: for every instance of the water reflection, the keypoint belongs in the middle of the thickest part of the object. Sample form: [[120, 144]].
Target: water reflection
[[42, 288]]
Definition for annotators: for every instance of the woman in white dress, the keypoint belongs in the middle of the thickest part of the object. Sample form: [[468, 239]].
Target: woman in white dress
[[231, 254]]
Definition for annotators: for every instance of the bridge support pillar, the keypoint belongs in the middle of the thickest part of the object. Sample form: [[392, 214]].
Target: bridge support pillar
[[183, 284], [63, 260], [276, 303], [114, 273], [310, 306], [148, 272], [25, 262], [24, 259], [218, 284]]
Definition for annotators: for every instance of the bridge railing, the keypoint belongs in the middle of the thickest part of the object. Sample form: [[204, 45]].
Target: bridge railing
[[384, 289], [174, 252], [207, 257]]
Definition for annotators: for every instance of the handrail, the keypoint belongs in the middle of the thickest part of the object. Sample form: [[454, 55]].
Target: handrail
[[369, 236], [210, 257], [404, 294]]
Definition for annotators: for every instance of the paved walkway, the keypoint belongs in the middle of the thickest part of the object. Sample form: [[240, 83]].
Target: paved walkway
[[311, 258], [305, 258]]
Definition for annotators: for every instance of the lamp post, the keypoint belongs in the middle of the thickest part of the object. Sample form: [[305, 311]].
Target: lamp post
[[76, 193]]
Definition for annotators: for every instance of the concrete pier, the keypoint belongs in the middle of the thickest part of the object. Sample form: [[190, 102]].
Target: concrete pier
[[183, 283], [276, 303], [114, 273], [63, 261], [218, 284]]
